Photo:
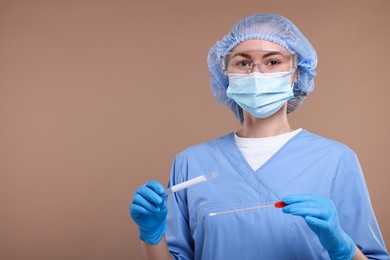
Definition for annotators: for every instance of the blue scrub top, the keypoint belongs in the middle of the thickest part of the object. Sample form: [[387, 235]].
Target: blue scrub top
[[306, 164]]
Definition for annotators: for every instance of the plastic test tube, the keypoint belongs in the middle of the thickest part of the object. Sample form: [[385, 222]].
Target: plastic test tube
[[189, 183]]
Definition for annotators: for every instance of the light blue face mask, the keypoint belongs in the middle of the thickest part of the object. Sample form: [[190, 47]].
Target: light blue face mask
[[259, 94]]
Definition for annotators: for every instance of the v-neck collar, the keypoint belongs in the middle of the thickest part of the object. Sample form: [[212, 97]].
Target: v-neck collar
[[230, 150]]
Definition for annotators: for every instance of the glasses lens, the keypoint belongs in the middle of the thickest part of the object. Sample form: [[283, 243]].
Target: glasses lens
[[265, 61]]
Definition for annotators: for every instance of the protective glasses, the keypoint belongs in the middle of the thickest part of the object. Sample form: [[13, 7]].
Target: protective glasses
[[266, 61]]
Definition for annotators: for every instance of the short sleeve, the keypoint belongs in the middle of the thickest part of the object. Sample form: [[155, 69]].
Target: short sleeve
[[178, 235], [356, 215]]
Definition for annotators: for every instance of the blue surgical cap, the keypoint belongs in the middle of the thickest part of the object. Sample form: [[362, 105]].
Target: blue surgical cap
[[268, 27]]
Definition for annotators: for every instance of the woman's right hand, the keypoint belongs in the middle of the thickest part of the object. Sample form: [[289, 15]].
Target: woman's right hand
[[149, 210]]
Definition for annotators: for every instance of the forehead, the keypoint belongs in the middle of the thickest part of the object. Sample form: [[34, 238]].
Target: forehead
[[256, 44]]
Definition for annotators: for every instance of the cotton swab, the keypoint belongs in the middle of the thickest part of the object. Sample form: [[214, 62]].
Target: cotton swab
[[278, 204]]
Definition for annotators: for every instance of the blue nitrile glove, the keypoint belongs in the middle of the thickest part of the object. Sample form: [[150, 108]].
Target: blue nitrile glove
[[320, 215], [149, 210]]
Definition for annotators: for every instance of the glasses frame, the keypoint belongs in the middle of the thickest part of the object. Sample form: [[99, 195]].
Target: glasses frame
[[293, 66]]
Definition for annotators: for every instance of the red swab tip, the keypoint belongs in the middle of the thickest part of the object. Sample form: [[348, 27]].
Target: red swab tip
[[280, 204]]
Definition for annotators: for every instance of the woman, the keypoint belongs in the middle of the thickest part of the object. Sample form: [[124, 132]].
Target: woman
[[262, 70]]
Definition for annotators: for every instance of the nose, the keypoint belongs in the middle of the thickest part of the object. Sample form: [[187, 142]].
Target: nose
[[255, 67]]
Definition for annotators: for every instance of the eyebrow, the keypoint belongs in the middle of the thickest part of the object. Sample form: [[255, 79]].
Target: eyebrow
[[241, 55]]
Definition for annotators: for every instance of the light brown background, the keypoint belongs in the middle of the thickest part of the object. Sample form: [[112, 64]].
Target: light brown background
[[96, 97]]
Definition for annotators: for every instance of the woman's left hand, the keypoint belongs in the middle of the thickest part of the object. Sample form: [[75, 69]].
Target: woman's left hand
[[320, 215]]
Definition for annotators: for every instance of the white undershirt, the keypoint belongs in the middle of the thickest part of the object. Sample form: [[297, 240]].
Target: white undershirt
[[257, 151]]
